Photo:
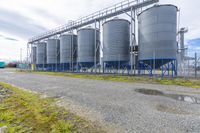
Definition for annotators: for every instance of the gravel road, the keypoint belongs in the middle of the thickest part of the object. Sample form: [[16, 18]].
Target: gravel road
[[116, 104]]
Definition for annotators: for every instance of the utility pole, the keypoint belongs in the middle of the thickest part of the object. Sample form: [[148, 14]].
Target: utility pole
[[21, 55], [27, 50], [195, 65]]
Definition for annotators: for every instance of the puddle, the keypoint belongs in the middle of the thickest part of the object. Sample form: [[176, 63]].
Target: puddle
[[184, 98], [149, 92]]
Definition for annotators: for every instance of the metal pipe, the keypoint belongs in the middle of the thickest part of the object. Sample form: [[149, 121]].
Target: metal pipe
[[134, 48], [76, 54], [131, 41], [95, 47], [72, 51]]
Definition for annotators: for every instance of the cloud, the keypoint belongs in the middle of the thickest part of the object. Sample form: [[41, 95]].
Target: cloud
[[10, 50], [11, 39], [8, 38], [16, 24], [45, 14]]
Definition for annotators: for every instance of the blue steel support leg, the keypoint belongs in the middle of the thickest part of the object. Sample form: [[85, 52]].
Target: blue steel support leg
[[176, 68], [103, 66], [168, 68], [162, 69], [172, 69], [151, 74]]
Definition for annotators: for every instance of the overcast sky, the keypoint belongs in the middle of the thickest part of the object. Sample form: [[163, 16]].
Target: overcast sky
[[22, 19]]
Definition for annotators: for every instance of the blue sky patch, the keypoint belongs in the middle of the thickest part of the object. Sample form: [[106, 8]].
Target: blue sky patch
[[194, 46]]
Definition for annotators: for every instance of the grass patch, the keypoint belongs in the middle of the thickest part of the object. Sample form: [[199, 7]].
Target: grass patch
[[181, 82], [177, 81], [26, 112]]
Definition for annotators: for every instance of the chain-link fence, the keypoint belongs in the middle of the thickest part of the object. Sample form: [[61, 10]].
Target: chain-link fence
[[190, 67]]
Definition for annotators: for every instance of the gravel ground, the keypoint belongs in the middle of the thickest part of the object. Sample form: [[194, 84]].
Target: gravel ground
[[115, 104], [4, 93]]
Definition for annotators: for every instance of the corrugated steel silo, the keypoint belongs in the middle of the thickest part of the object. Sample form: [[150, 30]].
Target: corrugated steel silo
[[116, 41], [33, 54], [68, 44], [86, 47], [157, 34], [53, 50], [41, 53]]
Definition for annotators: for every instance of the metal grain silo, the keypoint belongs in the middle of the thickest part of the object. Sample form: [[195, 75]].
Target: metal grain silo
[[157, 34], [68, 51], [86, 47], [116, 41], [53, 48], [33, 54], [41, 53], [68, 45]]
